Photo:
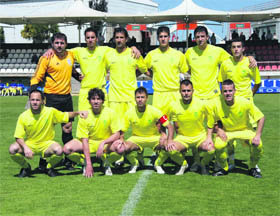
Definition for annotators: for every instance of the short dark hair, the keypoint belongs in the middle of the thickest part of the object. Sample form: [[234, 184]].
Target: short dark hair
[[238, 39], [38, 91], [140, 90], [228, 82], [90, 29], [163, 29], [59, 35], [120, 30], [201, 29], [186, 82], [96, 92]]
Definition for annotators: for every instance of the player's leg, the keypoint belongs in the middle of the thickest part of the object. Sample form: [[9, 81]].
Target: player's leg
[[17, 155], [221, 156], [54, 154], [74, 151], [208, 154], [131, 150], [178, 156]]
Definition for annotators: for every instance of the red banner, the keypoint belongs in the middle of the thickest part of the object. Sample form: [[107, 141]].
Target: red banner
[[246, 25], [182, 26], [136, 27]]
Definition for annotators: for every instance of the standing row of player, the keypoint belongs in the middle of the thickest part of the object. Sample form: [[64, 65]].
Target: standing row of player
[[202, 61]]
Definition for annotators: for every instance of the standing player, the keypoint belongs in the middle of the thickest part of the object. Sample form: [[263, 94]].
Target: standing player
[[143, 119], [91, 60], [189, 114], [96, 134], [234, 112], [237, 69], [57, 72], [166, 64], [35, 133], [122, 67]]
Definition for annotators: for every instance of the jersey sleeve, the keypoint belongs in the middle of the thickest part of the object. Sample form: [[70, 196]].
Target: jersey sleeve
[[162, 118], [211, 116], [224, 55], [255, 113], [256, 75], [141, 65], [20, 132], [60, 117], [82, 129], [184, 68], [75, 51], [222, 75], [148, 60], [115, 123], [40, 71]]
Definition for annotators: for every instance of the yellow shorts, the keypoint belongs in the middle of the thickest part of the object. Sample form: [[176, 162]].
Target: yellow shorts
[[39, 148], [145, 142], [245, 135], [121, 108], [93, 145], [191, 142], [83, 99], [161, 100]]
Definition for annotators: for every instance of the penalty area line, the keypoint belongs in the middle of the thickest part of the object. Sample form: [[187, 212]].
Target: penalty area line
[[136, 194]]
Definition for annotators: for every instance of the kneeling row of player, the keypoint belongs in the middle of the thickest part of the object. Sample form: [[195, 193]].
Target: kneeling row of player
[[100, 131]]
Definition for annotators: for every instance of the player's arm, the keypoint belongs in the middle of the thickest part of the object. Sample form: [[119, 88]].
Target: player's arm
[[27, 151], [256, 140], [141, 65], [255, 88], [89, 169], [208, 144], [109, 141], [257, 79], [135, 53], [82, 114], [253, 62], [77, 76], [183, 66], [39, 73]]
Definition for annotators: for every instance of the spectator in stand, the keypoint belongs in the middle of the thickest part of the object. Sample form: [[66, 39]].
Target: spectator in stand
[[4, 53], [274, 36], [234, 34], [34, 59], [263, 36], [269, 35], [213, 39], [242, 37], [190, 39], [254, 36]]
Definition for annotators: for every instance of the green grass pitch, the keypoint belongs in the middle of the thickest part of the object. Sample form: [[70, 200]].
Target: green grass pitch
[[191, 194]]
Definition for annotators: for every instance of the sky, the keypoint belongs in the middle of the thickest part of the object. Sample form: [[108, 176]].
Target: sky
[[229, 5]]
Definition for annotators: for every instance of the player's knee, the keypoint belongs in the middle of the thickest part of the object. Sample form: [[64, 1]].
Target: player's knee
[[13, 149], [58, 150]]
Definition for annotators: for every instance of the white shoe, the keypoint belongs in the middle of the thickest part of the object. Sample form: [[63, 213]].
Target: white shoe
[[120, 162], [108, 171], [133, 169], [182, 170], [195, 167], [159, 170], [258, 169]]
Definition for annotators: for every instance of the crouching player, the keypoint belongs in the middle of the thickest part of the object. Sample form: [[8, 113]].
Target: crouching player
[[143, 119], [35, 133], [96, 134], [189, 115], [235, 112]]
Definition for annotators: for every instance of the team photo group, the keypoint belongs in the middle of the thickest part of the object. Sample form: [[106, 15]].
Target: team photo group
[[208, 114]]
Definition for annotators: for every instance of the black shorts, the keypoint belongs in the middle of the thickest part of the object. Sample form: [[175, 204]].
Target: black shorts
[[61, 102]]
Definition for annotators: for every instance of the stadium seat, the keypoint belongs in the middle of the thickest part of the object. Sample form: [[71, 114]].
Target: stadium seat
[[261, 67], [10, 55], [29, 51], [2, 61], [23, 51], [28, 66], [26, 55], [24, 61], [33, 66], [8, 70], [266, 58], [34, 51], [13, 61], [8, 61], [5, 66], [13, 51], [17, 65], [22, 66], [19, 61], [25, 70], [15, 55], [11, 66], [279, 67], [18, 51], [267, 68], [274, 67], [14, 70], [271, 57], [20, 70], [21, 55], [3, 70]]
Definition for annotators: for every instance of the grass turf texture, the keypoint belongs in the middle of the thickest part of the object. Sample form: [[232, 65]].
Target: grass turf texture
[[190, 194]]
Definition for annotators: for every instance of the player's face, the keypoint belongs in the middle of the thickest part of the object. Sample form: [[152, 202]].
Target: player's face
[[201, 39], [96, 103], [36, 102], [163, 39], [228, 92], [91, 40], [186, 92], [59, 45], [237, 49], [120, 40], [141, 99]]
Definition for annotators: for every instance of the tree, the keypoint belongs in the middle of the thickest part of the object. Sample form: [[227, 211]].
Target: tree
[[99, 5], [38, 33]]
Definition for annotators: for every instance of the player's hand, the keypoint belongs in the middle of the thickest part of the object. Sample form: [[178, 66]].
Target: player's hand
[[89, 171], [67, 128], [170, 146], [222, 134], [256, 140], [119, 146], [135, 52], [28, 153], [163, 140], [100, 150], [49, 53], [83, 114], [253, 62], [207, 145]]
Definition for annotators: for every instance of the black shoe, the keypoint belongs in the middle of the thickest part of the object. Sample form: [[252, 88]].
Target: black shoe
[[221, 172], [25, 172], [204, 170], [68, 164], [254, 172], [42, 165], [52, 173]]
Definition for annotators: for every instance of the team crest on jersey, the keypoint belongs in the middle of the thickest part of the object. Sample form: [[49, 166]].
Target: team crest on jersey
[[69, 62]]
